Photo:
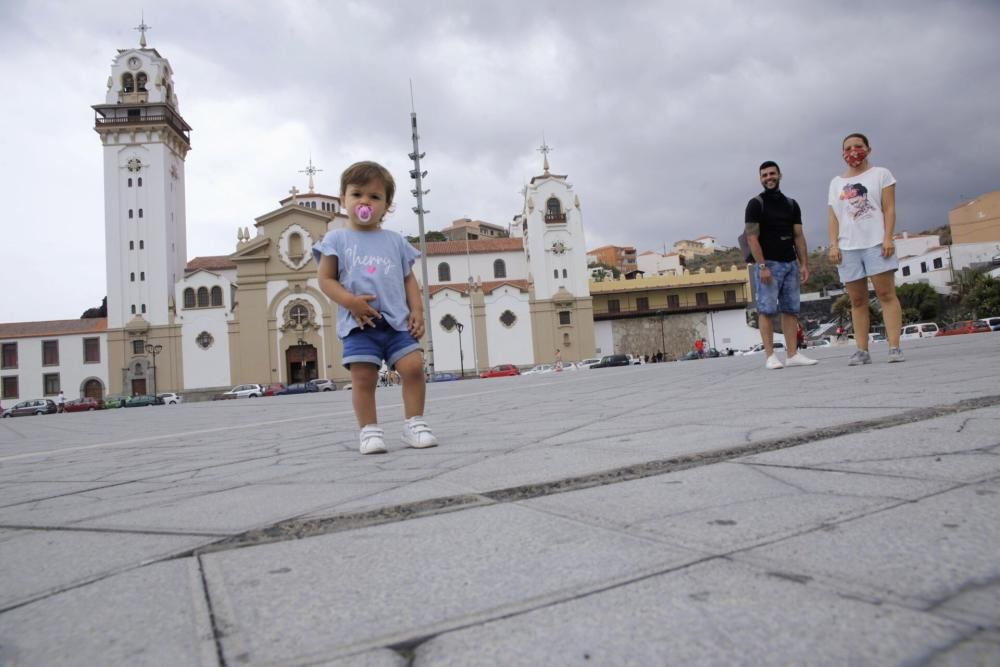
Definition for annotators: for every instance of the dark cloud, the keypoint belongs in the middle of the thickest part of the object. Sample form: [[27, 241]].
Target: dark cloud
[[658, 112]]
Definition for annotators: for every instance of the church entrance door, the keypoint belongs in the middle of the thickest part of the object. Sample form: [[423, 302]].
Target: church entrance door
[[301, 363], [93, 389], [139, 387]]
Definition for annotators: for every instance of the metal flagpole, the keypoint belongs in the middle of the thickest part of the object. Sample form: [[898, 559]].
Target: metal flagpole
[[419, 193]]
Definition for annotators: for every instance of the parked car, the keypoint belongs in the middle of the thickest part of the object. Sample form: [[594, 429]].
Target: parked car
[[322, 384], [272, 389], [499, 371], [993, 323], [965, 327], [819, 342], [244, 391], [588, 363], [636, 359], [759, 347], [539, 369], [84, 404], [36, 406], [610, 360], [140, 401], [169, 398], [919, 330], [443, 377], [115, 401], [297, 388]]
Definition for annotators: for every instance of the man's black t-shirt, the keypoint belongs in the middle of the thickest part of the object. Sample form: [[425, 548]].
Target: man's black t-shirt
[[777, 220]]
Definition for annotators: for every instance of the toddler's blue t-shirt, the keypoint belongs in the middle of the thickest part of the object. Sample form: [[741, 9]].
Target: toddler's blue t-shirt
[[373, 262]]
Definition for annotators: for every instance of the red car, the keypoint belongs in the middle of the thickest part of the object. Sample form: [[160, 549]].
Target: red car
[[83, 405], [965, 327], [273, 389], [502, 370]]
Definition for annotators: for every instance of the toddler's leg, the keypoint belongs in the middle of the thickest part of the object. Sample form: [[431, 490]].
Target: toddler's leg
[[416, 432], [411, 372], [364, 377]]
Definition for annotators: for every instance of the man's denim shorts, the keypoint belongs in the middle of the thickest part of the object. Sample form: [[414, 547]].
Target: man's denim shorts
[[781, 294], [864, 263], [373, 346]]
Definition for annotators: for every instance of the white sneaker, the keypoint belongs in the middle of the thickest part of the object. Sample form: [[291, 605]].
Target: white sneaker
[[371, 440], [799, 359], [416, 433], [773, 364]]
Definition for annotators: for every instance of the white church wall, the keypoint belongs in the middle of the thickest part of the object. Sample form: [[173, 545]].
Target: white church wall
[[478, 265], [204, 367], [274, 288], [513, 344], [604, 339], [446, 347], [728, 328], [72, 371]]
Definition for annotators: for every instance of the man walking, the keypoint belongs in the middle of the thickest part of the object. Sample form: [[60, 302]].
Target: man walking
[[774, 236]]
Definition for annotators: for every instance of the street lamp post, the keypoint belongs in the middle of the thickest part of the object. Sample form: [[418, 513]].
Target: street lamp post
[[154, 350], [461, 357]]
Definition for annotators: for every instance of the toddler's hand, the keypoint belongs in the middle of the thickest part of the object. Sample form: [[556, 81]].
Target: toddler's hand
[[363, 313], [416, 325]]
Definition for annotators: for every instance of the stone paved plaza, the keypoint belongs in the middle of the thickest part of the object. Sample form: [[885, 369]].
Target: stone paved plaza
[[693, 513]]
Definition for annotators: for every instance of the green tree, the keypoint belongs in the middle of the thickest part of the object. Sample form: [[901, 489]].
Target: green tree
[[983, 299], [822, 273], [920, 302], [841, 310]]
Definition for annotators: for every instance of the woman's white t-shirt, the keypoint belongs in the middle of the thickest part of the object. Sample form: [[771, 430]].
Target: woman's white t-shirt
[[857, 203]]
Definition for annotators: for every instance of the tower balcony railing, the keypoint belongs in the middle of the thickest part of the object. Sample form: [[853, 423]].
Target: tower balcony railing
[[555, 217], [106, 116]]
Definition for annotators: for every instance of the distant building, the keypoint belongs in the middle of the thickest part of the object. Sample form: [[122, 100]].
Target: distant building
[[704, 245], [622, 258], [976, 221], [464, 228], [652, 263]]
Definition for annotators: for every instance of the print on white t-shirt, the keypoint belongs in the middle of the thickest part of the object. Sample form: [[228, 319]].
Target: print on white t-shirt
[[857, 203]]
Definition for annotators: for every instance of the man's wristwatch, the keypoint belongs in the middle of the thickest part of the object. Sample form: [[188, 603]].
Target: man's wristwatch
[[762, 266]]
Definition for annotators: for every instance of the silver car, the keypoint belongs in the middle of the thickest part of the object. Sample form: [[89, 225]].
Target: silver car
[[244, 391]]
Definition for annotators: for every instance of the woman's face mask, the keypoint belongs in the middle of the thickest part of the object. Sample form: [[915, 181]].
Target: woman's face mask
[[855, 155]]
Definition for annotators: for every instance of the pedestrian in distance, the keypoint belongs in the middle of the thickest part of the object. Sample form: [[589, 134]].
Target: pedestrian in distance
[[367, 272], [773, 227], [862, 221], [61, 402]]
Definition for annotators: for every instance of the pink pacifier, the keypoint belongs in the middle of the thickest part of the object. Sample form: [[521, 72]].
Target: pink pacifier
[[364, 212]]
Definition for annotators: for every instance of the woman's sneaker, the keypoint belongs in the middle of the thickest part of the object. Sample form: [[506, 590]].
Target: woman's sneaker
[[895, 355], [416, 433], [799, 359], [859, 357], [371, 440], [773, 364]]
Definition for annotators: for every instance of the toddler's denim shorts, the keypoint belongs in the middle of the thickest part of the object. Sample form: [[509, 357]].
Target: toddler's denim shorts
[[864, 263], [781, 294], [378, 344]]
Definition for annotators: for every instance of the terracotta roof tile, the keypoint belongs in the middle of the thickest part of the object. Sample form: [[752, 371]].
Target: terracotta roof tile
[[488, 287], [53, 328], [474, 247], [210, 263]]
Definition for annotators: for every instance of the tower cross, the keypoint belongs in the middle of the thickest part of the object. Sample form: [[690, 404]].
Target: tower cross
[[142, 28], [310, 171], [545, 149], [295, 193]]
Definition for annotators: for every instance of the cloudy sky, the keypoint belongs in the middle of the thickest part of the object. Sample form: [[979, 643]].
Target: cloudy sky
[[659, 112]]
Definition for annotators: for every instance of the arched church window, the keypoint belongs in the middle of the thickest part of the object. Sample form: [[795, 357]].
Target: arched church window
[[143, 309], [140, 181], [189, 298], [444, 272], [216, 296], [131, 277], [140, 82], [508, 318], [552, 206], [499, 269], [128, 83], [203, 297], [555, 273], [564, 273], [131, 245], [140, 212], [130, 182], [448, 322], [142, 244], [131, 214], [142, 275], [138, 368], [295, 246], [133, 309]]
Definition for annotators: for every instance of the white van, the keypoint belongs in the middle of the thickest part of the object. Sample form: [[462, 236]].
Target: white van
[[919, 330]]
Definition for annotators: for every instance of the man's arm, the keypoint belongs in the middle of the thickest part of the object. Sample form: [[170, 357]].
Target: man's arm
[[752, 230], [801, 252]]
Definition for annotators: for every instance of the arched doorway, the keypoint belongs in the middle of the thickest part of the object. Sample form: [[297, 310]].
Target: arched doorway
[[93, 389], [300, 360]]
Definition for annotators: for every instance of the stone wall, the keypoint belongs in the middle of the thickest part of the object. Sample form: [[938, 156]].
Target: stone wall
[[642, 335]]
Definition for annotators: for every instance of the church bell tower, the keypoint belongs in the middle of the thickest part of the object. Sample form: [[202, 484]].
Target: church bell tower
[[145, 141]]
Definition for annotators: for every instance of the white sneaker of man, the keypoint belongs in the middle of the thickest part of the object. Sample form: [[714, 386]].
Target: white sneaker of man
[[799, 359], [372, 441], [416, 433], [773, 364]]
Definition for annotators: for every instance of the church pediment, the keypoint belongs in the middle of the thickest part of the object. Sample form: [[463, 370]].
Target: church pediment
[[257, 248]]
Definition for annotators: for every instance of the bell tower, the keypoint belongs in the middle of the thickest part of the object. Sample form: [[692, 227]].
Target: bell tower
[[145, 141]]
